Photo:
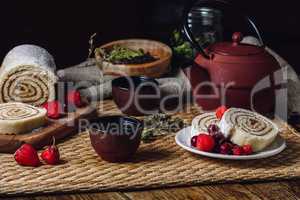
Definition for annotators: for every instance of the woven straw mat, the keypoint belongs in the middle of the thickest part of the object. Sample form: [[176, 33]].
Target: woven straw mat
[[158, 164]]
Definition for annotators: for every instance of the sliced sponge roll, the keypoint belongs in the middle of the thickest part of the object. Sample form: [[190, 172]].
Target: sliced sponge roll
[[18, 118], [27, 75], [245, 127]]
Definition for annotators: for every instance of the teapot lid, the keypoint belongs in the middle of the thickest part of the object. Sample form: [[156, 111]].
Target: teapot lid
[[235, 48]]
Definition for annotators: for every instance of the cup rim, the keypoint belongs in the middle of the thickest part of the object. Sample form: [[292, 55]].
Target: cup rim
[[136, 122], [116, 82]]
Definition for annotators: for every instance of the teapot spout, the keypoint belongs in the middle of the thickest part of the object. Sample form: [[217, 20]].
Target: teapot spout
[[202, 61]]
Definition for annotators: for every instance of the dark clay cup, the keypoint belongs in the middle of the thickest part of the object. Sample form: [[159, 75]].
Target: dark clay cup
[[115, 138], [136, 95]]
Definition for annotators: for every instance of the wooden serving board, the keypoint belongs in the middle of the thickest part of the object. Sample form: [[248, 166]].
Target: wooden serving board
[[41, 137]]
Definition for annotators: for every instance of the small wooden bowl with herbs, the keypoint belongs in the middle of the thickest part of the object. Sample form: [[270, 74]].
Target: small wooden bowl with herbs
[[134, 57]]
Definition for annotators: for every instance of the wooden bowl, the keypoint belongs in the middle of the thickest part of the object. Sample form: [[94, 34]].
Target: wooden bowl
[[153, 69]]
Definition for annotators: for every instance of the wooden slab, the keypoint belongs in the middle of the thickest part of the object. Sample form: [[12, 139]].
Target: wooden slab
[[41, 137]]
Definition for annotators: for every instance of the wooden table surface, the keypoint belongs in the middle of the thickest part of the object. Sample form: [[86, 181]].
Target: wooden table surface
[[270, 190]]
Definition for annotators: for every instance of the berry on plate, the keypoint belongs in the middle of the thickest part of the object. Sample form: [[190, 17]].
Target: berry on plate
[[194, 141], [237, 150], [212, 128], [205, 142], [220, 111], [247, 148], [219, 138], [226, 148]]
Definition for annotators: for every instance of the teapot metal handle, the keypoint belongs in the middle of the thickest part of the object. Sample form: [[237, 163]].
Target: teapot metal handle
[[188, 33]]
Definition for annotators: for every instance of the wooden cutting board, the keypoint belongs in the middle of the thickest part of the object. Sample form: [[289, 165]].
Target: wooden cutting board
[[60, 129]]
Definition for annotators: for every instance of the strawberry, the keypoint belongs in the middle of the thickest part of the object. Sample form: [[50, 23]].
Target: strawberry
[[237, 150], [247, 148], [54, 109], [205, 142], [26, 155], [51, 154], [74, 98], [220, 111]]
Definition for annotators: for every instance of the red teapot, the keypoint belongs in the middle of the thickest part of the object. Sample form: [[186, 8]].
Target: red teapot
[[237, 74]]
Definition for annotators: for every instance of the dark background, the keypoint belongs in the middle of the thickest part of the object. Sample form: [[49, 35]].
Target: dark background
[[64, 28]]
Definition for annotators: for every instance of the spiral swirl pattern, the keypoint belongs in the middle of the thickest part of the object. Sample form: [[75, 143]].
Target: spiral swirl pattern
[[201, 122], [27, 84], [249, 122], [207, 119], [246, 127], [19, 118], [17, 111]]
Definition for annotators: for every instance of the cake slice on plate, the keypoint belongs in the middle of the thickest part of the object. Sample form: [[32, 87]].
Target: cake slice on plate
[[246, 127]]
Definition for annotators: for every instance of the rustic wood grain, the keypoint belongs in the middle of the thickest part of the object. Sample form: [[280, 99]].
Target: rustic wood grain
[[256, 191], [275, 190], [214, 192], [91, 196], [295, 186]]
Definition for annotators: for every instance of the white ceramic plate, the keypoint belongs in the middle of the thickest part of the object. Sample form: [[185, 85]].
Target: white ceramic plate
[[183, 139]]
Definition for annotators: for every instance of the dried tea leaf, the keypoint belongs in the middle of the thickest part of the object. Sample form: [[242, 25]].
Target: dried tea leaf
[[159, 125], [123, 55]]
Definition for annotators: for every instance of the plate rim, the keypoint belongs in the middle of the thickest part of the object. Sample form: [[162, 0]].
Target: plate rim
[[266, 154]]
